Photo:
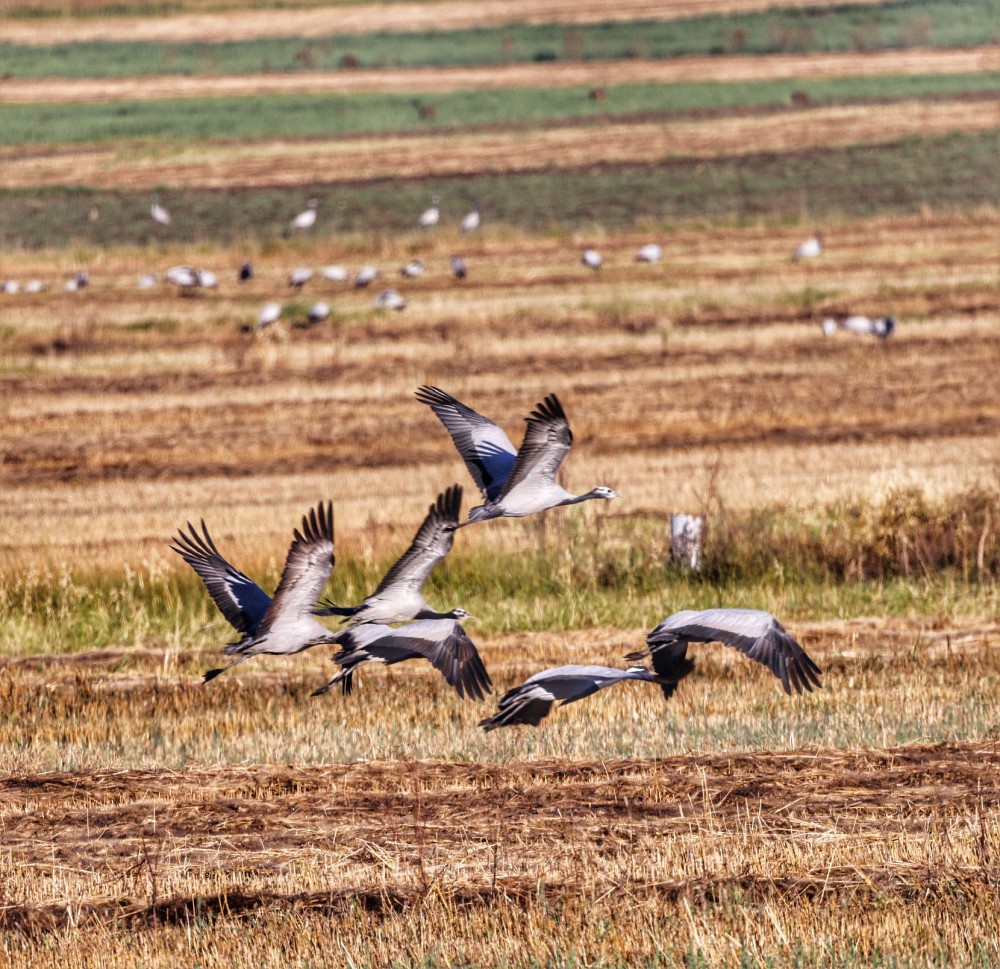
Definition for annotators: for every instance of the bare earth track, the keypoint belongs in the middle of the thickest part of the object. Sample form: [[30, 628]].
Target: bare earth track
[[596, 73]]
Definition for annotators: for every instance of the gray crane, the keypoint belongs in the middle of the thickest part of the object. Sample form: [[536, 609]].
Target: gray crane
[[441, 641], [279, 626], [305, 219], [514, 483], [158, 212], [532, 701], [398, 597], [755, 633]]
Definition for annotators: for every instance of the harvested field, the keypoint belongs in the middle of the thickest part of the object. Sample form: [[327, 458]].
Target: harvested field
[[499, 862], [427, 80], [363, 18], [222, 165], [135, 402], [849, 485]]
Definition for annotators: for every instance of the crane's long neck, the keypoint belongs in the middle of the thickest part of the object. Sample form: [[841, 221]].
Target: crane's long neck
[[428, 613], [576, 499]]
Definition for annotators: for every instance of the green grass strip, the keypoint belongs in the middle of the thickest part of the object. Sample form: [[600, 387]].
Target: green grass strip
[[900, 24], [318, 115], [948, 172]]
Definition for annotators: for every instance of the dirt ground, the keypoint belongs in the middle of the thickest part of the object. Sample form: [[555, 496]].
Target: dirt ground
[[362, 18], [427, 80], [155, 845]]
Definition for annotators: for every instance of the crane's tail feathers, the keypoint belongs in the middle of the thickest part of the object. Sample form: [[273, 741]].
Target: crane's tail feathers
[[332, 609], [637, 655]]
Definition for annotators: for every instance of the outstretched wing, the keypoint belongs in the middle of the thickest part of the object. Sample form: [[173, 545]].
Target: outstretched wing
[[441, 641], [238, 597], [430, 545], [307, 567], [485, 449], [755, 633], [546, 442]]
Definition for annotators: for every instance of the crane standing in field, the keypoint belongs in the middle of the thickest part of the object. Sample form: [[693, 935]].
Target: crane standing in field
[[305, 219], [285, 624], [513, 483], [755, 633], [158, 212], [399, 596]]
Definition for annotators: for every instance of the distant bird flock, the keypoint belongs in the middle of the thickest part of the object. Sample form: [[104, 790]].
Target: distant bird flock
[[189, 280], [396, 623]]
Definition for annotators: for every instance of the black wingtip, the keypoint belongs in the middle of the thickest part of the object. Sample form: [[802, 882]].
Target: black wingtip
[[211, 675], [548, 410], [431, 395]]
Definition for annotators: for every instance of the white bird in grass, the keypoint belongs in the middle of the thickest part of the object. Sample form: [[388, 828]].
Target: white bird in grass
[[414, 268], [513, 483], [336, 274], [184, 277], [11, 287], [318, 312], [146, 281], [592, 259], [458, 267], [34, 286], [755, 633], [809, 249], [78, 282], [441, 641], [299, 277], [158, 212], [470, 221], [366, 275], [430, 217], [882, 326], [649, 253], [207, 279], [305, 219], [280, 626], [390, 299], [533, 700], [269, 313], [398, 597]]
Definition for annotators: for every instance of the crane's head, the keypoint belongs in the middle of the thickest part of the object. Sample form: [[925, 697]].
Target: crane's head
[[603, 492], [460, 614]]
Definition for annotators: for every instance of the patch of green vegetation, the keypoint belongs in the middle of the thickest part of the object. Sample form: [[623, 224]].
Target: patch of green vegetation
[[906, 555], [318, 115], [155, 324], [946, 172], [903, 23]]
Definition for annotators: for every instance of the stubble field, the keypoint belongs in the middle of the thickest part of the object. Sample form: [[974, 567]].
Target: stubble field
[[848, 485]]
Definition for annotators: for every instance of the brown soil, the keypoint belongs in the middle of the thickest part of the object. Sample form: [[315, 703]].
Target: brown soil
[[406, 824], [289, 162], [594, 74], [363, 18]]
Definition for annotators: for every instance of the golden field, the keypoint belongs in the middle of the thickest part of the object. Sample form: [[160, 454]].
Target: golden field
[[848, 484]]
